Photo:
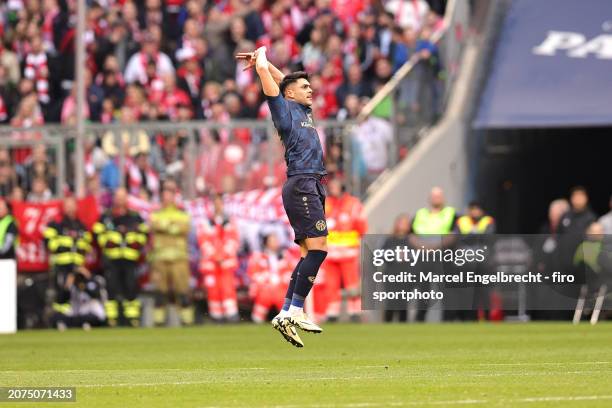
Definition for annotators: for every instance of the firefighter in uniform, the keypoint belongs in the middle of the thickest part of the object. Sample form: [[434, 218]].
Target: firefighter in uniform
[[170, 271], [122, 236], [346, 225], [68, 242], [269, 272], [218, 242], [473, 228]]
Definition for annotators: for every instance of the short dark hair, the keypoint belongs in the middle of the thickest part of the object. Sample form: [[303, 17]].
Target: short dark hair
[[475, 204], [291, 78], [578, 189]]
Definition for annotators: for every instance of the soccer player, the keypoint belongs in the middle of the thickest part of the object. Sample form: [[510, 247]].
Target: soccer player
[[290, 99]]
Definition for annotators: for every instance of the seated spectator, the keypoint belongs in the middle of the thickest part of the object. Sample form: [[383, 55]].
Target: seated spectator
[[40, 192]]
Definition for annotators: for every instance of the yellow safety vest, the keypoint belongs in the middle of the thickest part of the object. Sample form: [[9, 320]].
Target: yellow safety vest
[[425, 222], [467, 225]]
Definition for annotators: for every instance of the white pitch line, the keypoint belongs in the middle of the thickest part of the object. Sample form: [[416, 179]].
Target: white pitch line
[[450, 402], [114, 370], [311, 379], [546, 363]]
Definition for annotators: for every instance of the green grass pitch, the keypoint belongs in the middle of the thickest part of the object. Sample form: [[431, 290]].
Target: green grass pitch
[[350, 366]]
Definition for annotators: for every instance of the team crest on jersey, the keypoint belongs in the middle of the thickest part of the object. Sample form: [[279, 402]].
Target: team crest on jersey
[[320, 225], [309, 124]]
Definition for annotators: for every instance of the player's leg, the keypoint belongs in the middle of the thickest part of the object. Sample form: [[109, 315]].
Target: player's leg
[[278, 322], [291, 287], [317, 251]]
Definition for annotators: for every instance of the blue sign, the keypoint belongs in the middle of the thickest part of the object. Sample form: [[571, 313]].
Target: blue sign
[[552, 66]]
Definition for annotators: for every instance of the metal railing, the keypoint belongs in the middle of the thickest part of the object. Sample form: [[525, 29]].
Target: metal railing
[[202, 156]]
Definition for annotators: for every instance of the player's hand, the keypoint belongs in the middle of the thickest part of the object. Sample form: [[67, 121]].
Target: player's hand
[[249, 57]]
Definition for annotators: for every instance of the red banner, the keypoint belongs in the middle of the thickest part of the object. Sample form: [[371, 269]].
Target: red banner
[[32, 219]]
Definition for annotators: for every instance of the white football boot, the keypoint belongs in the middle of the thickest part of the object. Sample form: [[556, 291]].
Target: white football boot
[[302, 321], [287, 330]]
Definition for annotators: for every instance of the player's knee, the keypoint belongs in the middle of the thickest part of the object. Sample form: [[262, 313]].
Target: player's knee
[[318, 243]]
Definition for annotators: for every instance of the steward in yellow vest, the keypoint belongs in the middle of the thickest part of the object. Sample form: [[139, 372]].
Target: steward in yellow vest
[[475, 221], [8, 232]]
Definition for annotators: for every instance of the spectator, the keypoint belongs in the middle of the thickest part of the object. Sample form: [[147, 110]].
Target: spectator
[[28, 115], [136, 70], [573, 224], [37, 69], [398, 238], [141, 176], [606, 220], [39, 166], [190, 74], [408, 13], [40, 192], [374, 136], [355, 84], [10, 64], [8, 175]]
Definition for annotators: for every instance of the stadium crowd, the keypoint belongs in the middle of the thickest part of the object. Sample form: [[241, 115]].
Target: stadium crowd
[[173, 61]]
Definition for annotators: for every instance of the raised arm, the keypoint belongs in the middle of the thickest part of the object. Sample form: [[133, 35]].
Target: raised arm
[[276, 73], [269, 85], [250, 58]]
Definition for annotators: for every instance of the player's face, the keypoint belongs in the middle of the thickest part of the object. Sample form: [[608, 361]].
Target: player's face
[[301, 92]]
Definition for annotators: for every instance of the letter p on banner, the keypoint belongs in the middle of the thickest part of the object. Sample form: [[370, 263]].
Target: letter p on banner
[[8, 296]]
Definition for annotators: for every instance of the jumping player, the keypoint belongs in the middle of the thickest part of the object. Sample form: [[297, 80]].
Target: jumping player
[[290, 99]]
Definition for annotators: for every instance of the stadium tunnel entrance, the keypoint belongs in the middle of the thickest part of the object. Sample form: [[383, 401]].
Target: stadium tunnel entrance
[[516, 173]]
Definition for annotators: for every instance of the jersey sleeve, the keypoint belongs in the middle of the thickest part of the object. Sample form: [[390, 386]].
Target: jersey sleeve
[[279, 108]]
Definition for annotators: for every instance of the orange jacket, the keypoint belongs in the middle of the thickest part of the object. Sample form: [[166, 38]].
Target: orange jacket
[[219, 243], [346, 224], [264, 273]]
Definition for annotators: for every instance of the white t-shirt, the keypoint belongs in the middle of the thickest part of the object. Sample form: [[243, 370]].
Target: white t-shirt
[[374, 137], [408, 13]]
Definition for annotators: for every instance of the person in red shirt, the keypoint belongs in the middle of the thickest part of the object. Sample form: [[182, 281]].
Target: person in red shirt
[[218, 242], [347, 225], [269, 272]]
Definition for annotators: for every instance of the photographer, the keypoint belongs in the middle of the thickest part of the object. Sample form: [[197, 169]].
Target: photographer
[[86, 301]]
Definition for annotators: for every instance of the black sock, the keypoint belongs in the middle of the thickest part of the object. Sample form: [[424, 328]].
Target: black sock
[[306, 276], [291, 286]]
